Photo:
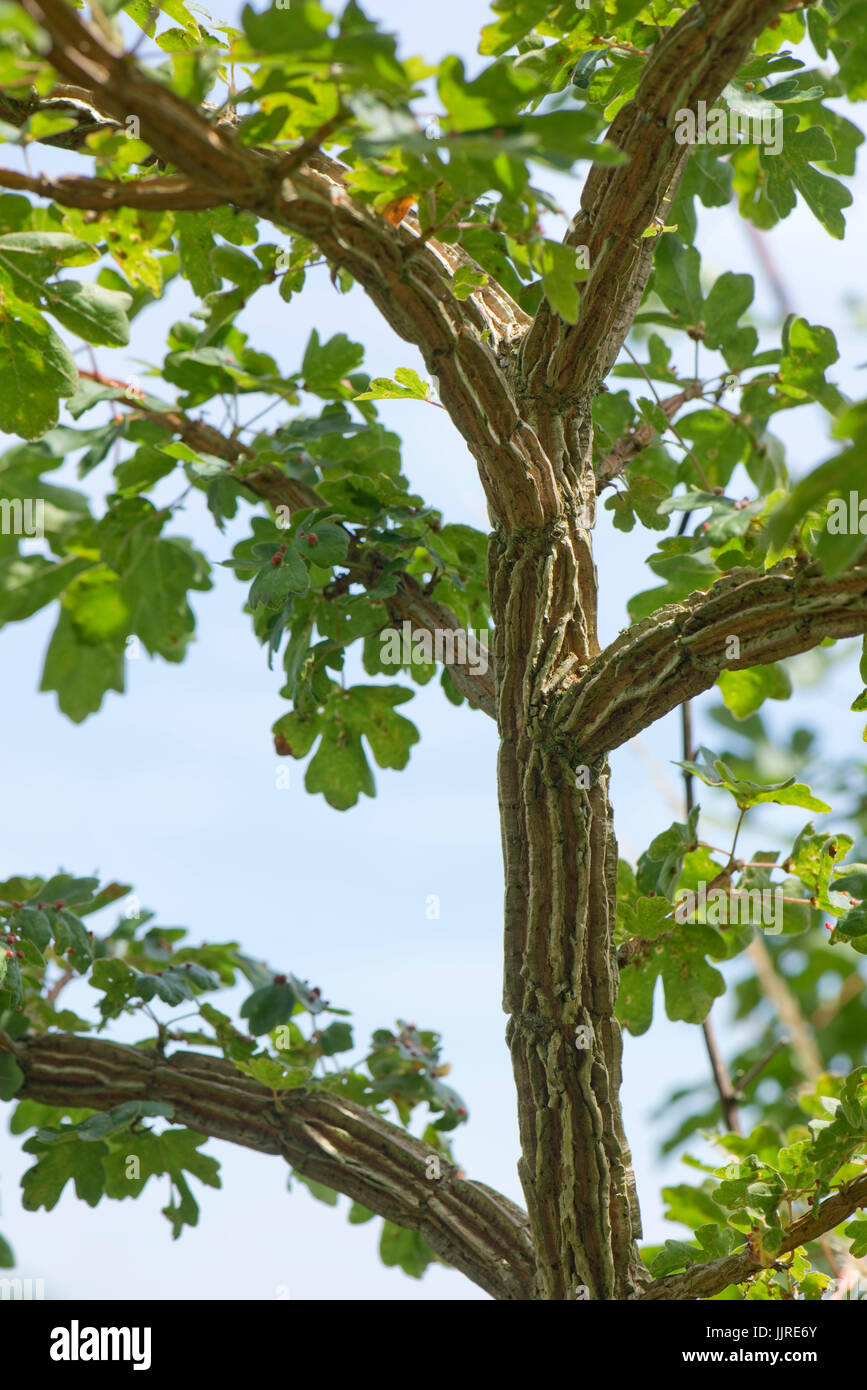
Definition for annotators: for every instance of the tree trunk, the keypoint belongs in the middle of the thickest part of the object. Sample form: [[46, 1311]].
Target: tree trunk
[[560, 857]]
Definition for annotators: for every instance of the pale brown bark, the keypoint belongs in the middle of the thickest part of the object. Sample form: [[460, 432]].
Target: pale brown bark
[[322, 1135]]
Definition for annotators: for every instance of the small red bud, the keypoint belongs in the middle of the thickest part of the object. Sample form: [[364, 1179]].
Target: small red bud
[[16, 904], [279, 980], [10, 953], [311, 539], [20, 955], [61, 902], [277, 559], [718, 491]]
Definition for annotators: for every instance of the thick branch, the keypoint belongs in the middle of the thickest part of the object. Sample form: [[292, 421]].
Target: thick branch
[[407, 279], [275, 487], [323, 1136], [174, 192], [703, 1281], [694, 60], [680, 651]]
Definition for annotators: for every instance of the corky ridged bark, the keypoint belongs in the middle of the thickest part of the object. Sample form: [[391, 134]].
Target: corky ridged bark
[[322, 1135], [560, 868], [680, 650]]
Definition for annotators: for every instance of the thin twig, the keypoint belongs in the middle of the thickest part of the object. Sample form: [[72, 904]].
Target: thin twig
[[727, 1095], [703, 478], [744, 1081]]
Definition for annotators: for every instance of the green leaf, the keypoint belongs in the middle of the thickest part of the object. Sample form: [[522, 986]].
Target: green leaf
[[296, 29], [326, 543], [267, 1007], [319, 1190], [36, 372], [337, 1037], [56, 1165], [359, 1215], [746, 691], [370, 710], [677, 282], [561, 270], [338, 768], [729, 298], [857, 1233], [714, 773], [407, 386], [406, 1249], [690, 984], [139, 1155], [659, 868], [121, 984], [326, 365], [105, 1123], [96, 314], [814, 860], [80, 672], [11, 1075], [467, 279], [792, 169], [154, 582], [274, 583], [30, 582]]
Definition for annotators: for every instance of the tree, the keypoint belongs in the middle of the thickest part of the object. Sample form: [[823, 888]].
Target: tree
[[300, 126]]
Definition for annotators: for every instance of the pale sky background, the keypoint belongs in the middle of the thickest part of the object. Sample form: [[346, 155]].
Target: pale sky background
[[172, 787]]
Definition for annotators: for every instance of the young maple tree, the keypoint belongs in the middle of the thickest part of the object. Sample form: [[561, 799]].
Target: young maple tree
[[237, 160]]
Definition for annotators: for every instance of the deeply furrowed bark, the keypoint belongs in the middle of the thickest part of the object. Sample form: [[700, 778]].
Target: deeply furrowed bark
[[559, 853]]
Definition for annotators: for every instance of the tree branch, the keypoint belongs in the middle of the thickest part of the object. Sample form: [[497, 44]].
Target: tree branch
[[275, 487], [680, 650], [693, 61], [622, 453], [703, 1281], [322, 1135], [171, 193], [406, 278], [722, 1080]]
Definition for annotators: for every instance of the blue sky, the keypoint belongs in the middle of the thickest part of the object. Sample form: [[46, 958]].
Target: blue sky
[[173, 788]]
